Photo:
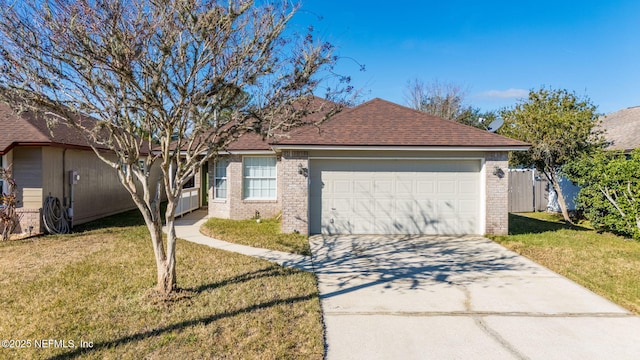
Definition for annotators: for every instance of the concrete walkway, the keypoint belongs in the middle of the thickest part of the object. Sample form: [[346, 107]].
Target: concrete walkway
[[188, 228], [459, 298]]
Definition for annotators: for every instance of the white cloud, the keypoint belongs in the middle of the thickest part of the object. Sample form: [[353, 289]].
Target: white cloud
[[505, 94]]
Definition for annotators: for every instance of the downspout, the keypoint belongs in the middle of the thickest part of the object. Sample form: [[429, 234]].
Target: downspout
[[64, 171], [533, 181], [70, 180]]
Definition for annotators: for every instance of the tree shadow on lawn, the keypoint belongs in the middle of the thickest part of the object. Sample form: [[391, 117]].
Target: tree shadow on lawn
[[178, 326], [123, 219], [260, 273], [272, 270], [520, 224]]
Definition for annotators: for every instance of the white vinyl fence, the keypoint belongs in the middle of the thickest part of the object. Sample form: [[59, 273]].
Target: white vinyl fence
[[189, 201]]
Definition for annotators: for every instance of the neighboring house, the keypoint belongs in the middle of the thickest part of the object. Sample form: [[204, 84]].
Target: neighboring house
[[622, 132], [377, 168], [43, 162], [622, 129]]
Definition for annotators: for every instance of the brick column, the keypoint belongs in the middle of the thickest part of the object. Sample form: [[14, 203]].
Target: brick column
[[295, 195], [497, 197], [29, 217]]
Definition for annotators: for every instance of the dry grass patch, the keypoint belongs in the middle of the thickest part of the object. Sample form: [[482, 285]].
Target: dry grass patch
[[265, 234], [604, 263], [95, 286]]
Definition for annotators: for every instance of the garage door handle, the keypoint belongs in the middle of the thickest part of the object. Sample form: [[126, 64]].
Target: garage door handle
[[333, 209]]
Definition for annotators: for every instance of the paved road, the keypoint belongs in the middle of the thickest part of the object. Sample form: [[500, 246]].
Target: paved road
[[459, 298]]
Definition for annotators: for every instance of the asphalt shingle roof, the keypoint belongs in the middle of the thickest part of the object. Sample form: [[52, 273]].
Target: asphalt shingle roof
[[27, 129], [374, 123], [622, 128], [382, 123]]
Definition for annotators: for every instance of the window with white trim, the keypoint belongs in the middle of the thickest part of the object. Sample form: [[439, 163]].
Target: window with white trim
[[220, 179], [259, 177]]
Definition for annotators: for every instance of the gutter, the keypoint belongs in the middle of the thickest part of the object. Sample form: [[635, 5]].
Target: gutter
[[278, 148]]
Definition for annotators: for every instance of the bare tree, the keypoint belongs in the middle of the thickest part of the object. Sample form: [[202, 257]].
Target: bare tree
[[445, 100], [159, 72]]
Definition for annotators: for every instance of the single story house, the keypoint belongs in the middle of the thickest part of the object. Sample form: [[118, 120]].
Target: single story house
[[54, 163], [376, 168]]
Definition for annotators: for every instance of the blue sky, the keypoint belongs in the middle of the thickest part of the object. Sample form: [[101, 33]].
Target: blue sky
[[497, 50]]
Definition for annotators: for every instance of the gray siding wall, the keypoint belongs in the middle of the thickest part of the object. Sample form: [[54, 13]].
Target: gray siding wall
[[98, 193]]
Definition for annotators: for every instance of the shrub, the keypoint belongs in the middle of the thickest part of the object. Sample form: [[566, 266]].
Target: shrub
[[610, 190]]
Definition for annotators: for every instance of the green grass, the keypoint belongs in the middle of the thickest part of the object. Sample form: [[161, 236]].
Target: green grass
[[604, 263], [265, 234], [95, 286]]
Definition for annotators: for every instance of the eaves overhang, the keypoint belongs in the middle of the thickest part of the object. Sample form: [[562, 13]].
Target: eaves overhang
[[279, 148]]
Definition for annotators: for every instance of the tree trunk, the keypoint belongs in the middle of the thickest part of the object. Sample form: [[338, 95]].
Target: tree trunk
[[165, 261], [563, 205]]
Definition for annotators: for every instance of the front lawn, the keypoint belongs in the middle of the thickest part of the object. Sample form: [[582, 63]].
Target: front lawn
[[607, 264], [265, 234], [94, 287]]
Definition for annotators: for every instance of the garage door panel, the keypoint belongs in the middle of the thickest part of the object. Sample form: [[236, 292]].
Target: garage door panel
[[467, 187], [466, 206], [425, 188], [383, 186], [363, 225], [447, 187], [447, 226], [405, 187], [364, 206], [383, 207], [395, 197], [362, 187], [467, 226], [342, 187], [405, 207], [339, 226], [447, 207]]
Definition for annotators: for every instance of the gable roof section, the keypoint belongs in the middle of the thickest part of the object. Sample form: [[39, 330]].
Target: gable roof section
[[27, 129], [319, 108], [380, 123], [622, 129]]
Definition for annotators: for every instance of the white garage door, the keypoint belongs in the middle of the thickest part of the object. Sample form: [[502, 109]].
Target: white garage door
[[395, 196]]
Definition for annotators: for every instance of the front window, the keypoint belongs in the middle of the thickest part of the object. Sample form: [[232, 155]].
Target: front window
[[259, 177], [220, 179]]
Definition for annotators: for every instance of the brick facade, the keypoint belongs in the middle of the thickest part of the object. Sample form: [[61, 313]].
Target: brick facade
[[497, 193], [293, 193], [234, 206], [295, 210], [29, 217]]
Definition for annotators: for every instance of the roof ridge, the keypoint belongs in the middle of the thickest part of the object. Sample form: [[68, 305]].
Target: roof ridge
[[441, 119]]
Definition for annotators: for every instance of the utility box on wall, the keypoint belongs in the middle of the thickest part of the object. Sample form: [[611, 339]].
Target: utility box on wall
[[74, 177]]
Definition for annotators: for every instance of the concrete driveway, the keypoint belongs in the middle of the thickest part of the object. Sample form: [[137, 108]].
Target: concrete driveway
[[409, 297]]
